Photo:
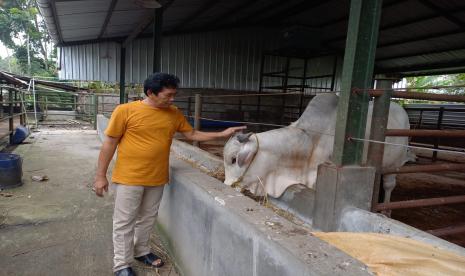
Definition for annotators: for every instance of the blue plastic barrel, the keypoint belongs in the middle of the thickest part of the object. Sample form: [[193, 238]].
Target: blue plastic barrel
[[20, 134], [11, 170]]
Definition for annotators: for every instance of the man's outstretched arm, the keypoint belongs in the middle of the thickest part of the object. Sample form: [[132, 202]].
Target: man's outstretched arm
[[104, 159], [201, 136]]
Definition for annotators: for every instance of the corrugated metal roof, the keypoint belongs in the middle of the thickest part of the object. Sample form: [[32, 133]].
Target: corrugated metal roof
[[414, 35]]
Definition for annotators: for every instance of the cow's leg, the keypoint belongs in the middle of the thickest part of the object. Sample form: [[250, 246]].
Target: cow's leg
[[389, 183]]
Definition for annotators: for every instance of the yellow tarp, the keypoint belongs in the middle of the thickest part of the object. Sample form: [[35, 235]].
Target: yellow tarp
[[392, 255]]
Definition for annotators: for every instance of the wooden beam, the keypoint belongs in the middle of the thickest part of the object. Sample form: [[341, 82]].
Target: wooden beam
[[107, 18], [13, 79], [50, 84]]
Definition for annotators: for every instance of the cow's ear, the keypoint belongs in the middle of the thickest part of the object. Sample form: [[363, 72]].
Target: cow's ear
[[243, 138], [244, 156]]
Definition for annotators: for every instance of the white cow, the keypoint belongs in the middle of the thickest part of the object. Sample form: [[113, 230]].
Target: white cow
[[273, 160]]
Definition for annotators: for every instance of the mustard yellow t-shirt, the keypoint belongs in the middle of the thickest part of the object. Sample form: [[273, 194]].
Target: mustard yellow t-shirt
[[146, 134]]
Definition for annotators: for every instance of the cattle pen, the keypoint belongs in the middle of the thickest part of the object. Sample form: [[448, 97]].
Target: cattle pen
[[375, 151], [303, 191]]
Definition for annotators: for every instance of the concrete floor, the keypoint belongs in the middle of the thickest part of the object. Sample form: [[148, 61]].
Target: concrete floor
[[59, 227]]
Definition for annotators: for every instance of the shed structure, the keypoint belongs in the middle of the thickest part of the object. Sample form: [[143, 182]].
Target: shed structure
[[220, 44], [269, 45]]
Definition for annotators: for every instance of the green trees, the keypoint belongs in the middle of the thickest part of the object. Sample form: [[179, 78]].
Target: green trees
[[23, 30], [440, 80]]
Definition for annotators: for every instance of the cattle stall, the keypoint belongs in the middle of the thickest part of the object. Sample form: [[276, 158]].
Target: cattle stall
[[448, 197], [260, 63], [376, 150]]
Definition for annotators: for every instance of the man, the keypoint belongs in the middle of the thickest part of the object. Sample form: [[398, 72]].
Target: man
[[143, 132]]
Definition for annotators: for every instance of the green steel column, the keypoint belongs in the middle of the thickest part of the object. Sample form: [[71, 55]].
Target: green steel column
[[357, 72], [378, 127], [122, 76], [157, 36]]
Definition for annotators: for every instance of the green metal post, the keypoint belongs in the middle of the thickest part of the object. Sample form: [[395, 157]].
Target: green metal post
[[378, 127], [95, 104], [157, 36], [357, 72], [122, 76]]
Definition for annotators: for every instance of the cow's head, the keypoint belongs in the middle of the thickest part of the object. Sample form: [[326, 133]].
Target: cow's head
[[238, 153]]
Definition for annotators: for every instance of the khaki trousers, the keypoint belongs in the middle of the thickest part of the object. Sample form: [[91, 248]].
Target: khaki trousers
[[136, 208]]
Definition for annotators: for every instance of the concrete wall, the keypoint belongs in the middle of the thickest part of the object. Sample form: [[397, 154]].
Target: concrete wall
[[299, 201], [213, 230]]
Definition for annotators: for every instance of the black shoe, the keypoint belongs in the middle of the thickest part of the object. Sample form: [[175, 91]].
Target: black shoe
[[125, 272]]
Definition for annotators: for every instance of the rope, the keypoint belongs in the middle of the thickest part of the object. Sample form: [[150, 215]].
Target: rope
[[245, 123], [239, 180], [264, 124], [355, 139], [405, 146]]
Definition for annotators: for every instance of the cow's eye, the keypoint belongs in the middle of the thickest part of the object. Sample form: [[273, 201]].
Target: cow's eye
[[233, 161]]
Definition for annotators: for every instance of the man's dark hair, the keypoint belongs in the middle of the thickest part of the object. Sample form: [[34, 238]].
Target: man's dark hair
[[157, 81]]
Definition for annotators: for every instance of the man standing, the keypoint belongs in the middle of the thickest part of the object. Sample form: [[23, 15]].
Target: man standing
[[142, 131]]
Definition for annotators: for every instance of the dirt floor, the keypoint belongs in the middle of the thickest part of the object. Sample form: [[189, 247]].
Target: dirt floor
[[59, 226], [425, 185], [418, 186]]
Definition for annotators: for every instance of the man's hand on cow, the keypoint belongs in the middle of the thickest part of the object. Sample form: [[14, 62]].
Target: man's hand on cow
[[100, 185], [230, 131]]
